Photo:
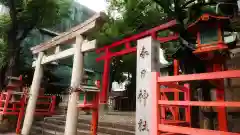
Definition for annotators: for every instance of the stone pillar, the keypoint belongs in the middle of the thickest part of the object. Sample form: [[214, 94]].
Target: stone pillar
[[34, 91], [147, 61], [77, 74]]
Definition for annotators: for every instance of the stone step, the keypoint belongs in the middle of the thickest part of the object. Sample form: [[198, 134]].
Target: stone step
[[58, 125], [36, 130], [34, 133], [129, 126]]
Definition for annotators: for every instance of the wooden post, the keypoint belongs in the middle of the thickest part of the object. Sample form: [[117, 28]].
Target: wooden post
[[147, 62], [77, 73], [105, 85], [176, 94], [105, 80], [220, 95], [95, 115], [29, 115]]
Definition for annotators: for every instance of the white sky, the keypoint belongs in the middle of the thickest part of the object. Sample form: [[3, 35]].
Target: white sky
[[96, 5]]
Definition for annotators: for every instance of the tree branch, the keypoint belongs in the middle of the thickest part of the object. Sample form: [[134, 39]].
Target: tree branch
[[48, 32], [25, 33], [187, 3], [164, 6], [28, 29]]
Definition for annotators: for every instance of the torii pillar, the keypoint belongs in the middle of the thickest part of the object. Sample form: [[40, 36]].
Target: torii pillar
[[80, 45], [77, 74], [34, 91]]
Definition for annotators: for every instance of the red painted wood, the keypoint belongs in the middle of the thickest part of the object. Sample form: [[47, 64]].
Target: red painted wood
[[155, 117], [188, 108], [201, 76], [105, 81], [95, 113], [115, 54], [19, 107], [199, 103], [191, 131], [176, 94], [138, 36], [222, 116]]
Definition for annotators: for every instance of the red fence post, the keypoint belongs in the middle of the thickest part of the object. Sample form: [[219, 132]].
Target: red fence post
[[1, 98], [176, 94], [53, 104], [95, 115], [156, 109], [8, 97], [187, 109], [94, 126], [222, 117], [21, 113]]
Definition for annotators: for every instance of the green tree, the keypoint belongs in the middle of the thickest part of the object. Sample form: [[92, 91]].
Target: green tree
[[22, 17], [126, 18], [187, 11], [129, 17]]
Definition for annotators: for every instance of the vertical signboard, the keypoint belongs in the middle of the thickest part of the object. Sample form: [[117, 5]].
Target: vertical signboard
[[147, 62]]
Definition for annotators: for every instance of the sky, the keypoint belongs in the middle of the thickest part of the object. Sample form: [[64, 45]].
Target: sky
[[96, 5]]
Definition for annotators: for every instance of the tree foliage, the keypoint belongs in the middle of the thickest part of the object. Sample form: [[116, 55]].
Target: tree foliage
[[20, 18], [126, 18], [28, 14], [2, 53]]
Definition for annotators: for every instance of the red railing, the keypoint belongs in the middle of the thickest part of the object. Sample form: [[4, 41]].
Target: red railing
[[174, 111], [13, 103], [48, 111], [161, 103], [9, 105]]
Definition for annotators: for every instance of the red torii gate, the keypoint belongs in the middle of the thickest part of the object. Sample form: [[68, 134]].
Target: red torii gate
[[128, 49]]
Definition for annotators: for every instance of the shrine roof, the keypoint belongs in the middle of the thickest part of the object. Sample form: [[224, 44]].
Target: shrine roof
[[208, 19], [205, 17]]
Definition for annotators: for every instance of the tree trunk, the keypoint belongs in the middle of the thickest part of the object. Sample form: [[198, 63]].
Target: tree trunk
[[2, 76], [13, 54]]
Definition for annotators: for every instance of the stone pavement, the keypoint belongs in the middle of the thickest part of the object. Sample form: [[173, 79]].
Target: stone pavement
[[127, 118], [8, 134]]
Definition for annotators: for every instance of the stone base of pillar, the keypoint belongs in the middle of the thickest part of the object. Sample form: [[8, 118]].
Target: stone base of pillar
[[103, 109], [1, 118]]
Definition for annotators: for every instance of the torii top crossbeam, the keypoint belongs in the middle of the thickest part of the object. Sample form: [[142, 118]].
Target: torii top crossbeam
[[84, 29]]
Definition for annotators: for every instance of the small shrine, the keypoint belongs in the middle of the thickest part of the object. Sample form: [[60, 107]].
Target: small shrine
[[209, 32], [14, 84]]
